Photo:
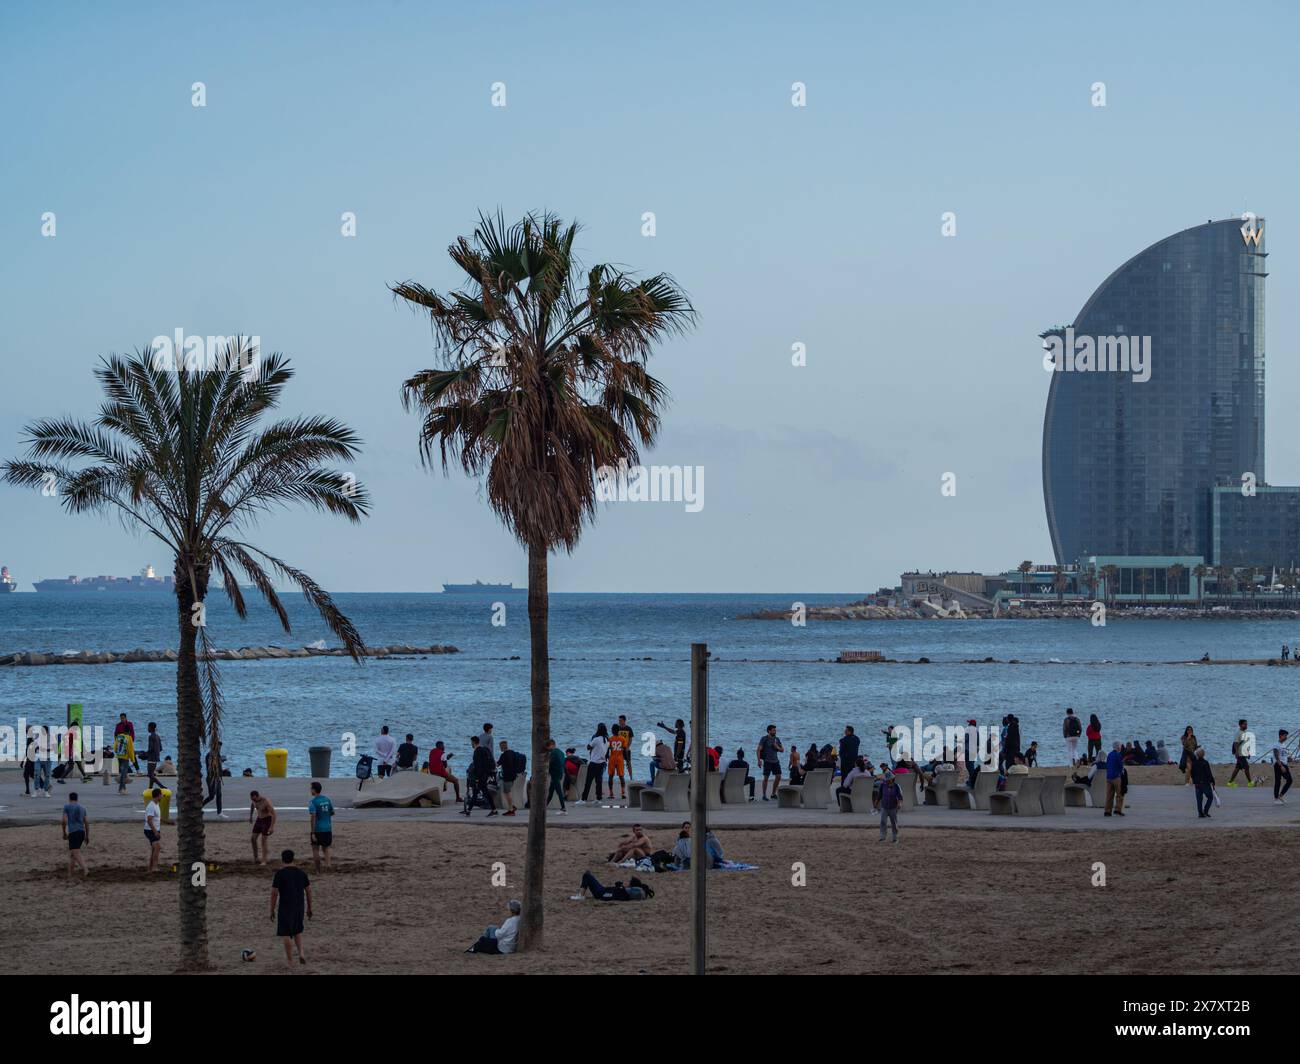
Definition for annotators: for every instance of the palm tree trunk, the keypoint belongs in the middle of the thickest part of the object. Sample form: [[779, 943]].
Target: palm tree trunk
[[530, 922], [189, 785]]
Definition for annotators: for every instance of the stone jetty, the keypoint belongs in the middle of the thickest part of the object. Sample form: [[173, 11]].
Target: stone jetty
[[266, 653]]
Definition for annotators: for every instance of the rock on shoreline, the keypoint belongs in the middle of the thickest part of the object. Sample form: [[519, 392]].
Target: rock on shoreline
[[863, 611], [266, 653]]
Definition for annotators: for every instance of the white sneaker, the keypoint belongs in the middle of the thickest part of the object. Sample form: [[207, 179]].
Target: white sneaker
[[224, 816], [1279, 801], [27, 794], [561, 812]]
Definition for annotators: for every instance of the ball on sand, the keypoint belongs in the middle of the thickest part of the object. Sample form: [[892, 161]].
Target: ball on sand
[[248, 954]]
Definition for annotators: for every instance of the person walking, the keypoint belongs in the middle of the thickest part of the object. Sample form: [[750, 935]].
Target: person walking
[[1242, 748], [153, 828], [124, 751], [1093, 733], [482, 770], [598, 749], [76, 832], [1071, 729], [1281, 771], [769, 756], [29, 761], [1189, 754], [555, 773], [513, 765], [1203, 778], [291, 889], [44, 762], [617, 754], [891, 797], [320, 811], [213, 766], [152, 752], [1115, 781]]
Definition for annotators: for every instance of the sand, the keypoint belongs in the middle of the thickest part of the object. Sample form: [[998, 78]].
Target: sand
[[408, 897]]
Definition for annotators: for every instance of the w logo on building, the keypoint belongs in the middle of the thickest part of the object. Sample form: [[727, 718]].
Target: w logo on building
[[1253, 229]]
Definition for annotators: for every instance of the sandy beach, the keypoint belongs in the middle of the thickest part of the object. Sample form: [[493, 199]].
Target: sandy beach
[[407, 897]]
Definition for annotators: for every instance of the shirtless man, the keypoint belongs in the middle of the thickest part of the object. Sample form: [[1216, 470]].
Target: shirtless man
[[636, 845], [263, 823]]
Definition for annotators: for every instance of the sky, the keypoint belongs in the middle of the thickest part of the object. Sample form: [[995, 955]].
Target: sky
[[819, 225]]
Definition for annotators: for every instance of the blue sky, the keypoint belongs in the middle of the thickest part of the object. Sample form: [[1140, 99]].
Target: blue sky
[[817, 225]]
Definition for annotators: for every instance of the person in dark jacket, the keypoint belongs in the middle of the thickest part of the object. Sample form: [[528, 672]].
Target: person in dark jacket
[[1012, 750], [153, 753], [1203, 778], [848, 751], [481, 769]]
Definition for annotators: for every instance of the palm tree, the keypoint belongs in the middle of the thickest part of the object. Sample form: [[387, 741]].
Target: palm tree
[[1174, 576], [1025, 568], [1110, 573], [1200, 572], [1059, 582], [543, 387], [1224, 578], [1144, 578], [178, 453]]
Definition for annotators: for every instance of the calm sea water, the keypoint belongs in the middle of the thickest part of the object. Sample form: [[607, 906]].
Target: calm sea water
[[620, 653]]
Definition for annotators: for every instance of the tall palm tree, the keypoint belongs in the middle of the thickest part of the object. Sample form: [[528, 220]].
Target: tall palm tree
[[1200, 572], [542, 386], [1173, 578], [178, 452], [1224, 579], [1110, 573], [1144, 578], [1025, 568], [1059, 582]]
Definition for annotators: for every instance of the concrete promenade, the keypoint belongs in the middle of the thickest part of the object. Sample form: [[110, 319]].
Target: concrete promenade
[[1148, 806]]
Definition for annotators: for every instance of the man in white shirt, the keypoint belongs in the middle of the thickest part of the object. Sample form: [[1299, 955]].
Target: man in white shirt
[[1280, 769], [153, 829], [386, 751], [503, 939]]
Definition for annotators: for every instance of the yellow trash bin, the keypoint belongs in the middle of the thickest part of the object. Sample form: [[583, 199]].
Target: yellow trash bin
[[164, 803], [277, 763]]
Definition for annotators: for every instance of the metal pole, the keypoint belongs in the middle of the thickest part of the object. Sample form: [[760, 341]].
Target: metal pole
[[699, 800]]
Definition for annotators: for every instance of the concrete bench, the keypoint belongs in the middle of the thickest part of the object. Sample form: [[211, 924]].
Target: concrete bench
[[734, 791], [1053, 795], [1077, 794], [518, 789], [670, 794], [936, 792], [858, 800], [963, 797], [1025, 800], [634, 790]]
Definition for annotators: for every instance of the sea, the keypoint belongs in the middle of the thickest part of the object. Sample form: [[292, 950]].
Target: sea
[[630, 654]]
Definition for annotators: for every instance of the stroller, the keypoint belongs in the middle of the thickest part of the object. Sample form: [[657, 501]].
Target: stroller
[[364, 768]]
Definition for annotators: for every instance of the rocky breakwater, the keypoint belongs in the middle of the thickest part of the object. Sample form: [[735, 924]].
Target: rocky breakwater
[[853, 611], [266, 653]]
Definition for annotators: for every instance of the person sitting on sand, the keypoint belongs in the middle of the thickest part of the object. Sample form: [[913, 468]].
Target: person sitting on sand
[[262, 815], [438, 758], [635, 845], [1149, 755], [1162, 753], [503, 939]]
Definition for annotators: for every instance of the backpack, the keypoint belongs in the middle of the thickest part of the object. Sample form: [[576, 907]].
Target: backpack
[[1074, 729]]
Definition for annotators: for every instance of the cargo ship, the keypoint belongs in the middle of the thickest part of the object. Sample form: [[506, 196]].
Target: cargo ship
[[143, 582], [6, 581], [480, 588]]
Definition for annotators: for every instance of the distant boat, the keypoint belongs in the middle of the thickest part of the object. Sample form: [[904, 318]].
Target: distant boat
[[480, 588], [144, 582], [6, 581]]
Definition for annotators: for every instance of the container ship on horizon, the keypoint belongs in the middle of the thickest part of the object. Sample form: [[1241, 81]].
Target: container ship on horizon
[[143, 582], [480, 588]]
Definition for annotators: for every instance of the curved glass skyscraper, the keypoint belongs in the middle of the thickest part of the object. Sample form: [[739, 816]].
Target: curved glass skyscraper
[[1133, 445]]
